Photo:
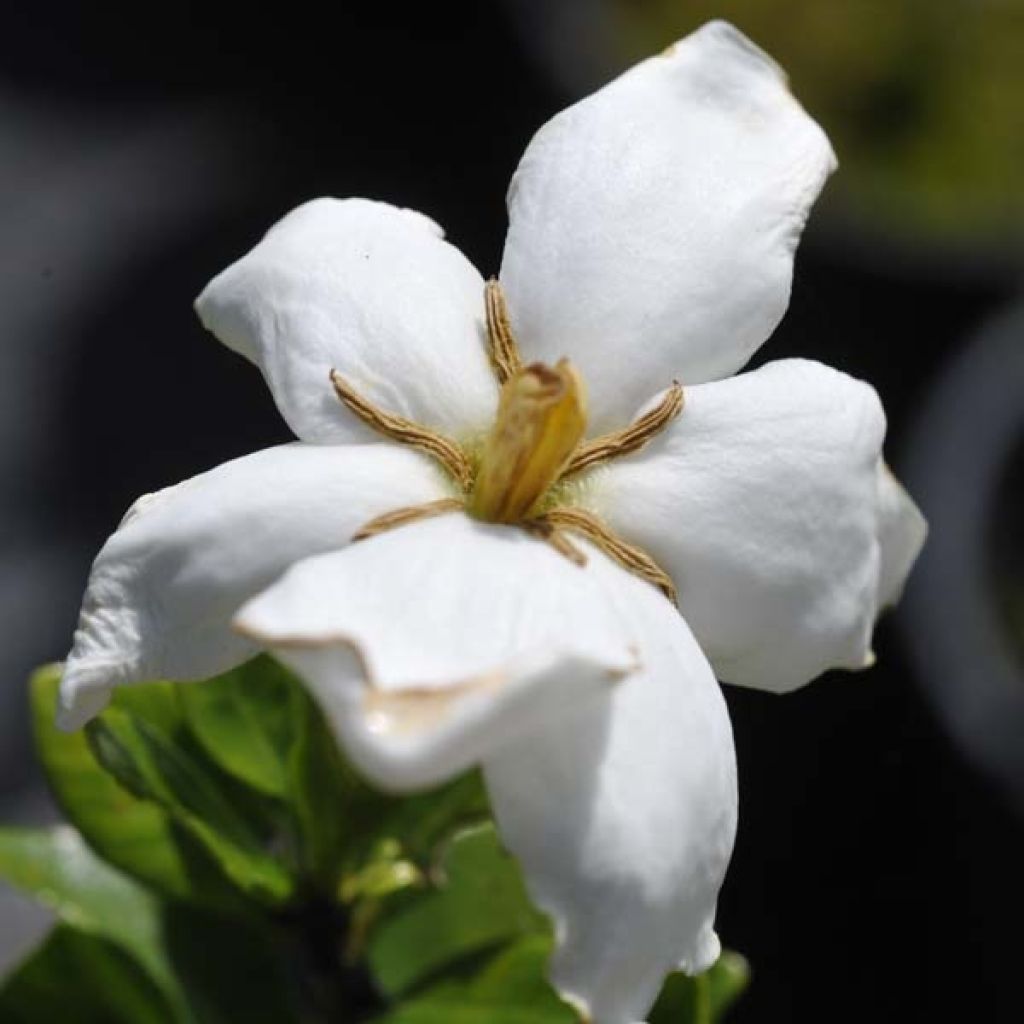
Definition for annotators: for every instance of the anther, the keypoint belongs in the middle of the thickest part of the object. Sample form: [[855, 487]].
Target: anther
[[631, 438], [405, 516], [404, 431], [504, 351], [629, 556]]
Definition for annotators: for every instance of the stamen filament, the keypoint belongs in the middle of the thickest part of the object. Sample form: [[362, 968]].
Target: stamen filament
[[629, 439], [404, 431]]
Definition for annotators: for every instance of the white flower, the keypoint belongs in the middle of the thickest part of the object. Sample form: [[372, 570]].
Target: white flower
[[652, 231]]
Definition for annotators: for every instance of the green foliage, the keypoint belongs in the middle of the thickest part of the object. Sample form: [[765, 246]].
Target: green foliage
[[446, 923], [58, 869], [509, 988], [81, 977], [223, 862], [137, 836], [153, 767], [705, 998], [246, 721]]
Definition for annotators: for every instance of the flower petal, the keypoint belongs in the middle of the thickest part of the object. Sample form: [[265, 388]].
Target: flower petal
[[372, 291], [430, 645], [761, 502], [652, 225], [623, 818], [162, 591], [901, 533]]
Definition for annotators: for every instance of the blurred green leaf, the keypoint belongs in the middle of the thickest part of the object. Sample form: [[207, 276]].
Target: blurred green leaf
[[153, 767], [702, 999], [234, 970], [424, 821], [511, 988], [204, 968], [477, 903], [81, 977], [136, 836], [323, 795], [246, 720], [58, 869]]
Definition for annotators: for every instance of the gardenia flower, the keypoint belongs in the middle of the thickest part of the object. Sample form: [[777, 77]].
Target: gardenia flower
[[528, 524]]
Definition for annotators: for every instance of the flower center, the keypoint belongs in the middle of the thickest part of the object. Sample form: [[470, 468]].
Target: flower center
[[536, 443]]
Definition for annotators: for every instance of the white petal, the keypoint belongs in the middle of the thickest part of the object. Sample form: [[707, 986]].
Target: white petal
[[761, 501], [372, 291], [165, 586], [623, 818], [433, 643], [653, 225], [901, 533]]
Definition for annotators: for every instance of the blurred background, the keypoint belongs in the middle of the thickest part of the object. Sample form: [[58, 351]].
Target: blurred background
[[877, 874]]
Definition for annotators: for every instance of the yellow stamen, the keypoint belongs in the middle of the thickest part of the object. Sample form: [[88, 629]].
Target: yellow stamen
[[541, 419], [404, 431], [631, 438]]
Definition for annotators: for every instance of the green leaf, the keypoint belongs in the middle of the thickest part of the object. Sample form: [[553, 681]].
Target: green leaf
[[510, 989], [205, 968], [153, 767], [704, 998], [246, 720], [728, 980], [134, 835], [76, 976], [58, 869], [477, 903], [323, 795]]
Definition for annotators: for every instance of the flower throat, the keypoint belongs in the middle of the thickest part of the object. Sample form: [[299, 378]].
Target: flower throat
[[534, 449]]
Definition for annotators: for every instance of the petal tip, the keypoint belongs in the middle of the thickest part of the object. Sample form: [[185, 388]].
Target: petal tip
[[82, 697], [725, 36]]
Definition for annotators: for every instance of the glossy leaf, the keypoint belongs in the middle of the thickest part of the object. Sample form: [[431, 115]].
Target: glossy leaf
[[703, 999], [153, 767], [137, 836], [247, 721], [509, 989], [81, 977], [478, 903]]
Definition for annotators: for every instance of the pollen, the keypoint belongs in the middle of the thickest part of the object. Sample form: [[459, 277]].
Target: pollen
[[537, 442]]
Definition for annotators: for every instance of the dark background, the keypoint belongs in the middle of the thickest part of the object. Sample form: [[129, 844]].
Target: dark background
[[877, 874]]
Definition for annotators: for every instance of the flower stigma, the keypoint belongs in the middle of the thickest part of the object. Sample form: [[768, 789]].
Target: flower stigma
[[536, 445]]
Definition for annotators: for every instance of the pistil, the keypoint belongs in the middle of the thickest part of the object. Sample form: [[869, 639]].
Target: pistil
[[541, 421]]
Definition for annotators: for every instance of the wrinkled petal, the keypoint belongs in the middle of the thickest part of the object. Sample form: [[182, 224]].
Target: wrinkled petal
[[429, 645], [372, 291], [623, 818], [901, 533], [162, 591], [652, 225], [761, 502]]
